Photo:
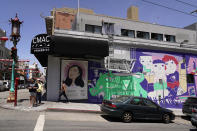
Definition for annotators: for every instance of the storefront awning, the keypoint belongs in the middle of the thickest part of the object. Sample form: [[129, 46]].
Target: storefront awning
[[43, 45], [78, 47]]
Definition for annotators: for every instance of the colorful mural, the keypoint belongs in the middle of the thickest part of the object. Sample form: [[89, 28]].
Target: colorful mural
[[166, 78]]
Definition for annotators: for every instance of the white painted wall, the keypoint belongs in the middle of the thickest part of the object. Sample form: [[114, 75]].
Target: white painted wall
[[53, 78]]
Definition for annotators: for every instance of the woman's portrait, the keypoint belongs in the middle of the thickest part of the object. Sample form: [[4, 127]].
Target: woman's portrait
[[74, 76]]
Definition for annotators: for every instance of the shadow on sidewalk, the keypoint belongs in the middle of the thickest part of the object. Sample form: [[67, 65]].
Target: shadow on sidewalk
[[76, 101], [186, 118], [114, 119], [22, 100]]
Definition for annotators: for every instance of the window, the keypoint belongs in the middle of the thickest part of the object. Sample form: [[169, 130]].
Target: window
[[121, 99], [107, 28], [190, 78], [136, 101], [155, 36], [149, 104], [93, 29], [169, 38], [129, 33], [89, 28], [97, 29], [144, 35]]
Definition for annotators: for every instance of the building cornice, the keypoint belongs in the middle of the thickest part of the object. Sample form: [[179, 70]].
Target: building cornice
[[132, 42]]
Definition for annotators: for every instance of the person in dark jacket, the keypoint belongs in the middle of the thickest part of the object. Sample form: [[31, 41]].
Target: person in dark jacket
[[63, 92], [32, 90]]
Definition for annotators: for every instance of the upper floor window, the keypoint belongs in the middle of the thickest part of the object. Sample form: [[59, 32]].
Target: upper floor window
[[144, 35], [170, 38], [97, 29], [107, 28], [89, 28], [129, 33], [93, 29], [155, 36]]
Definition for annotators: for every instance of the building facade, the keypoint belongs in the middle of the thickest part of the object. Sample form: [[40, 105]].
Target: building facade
[[139, 58], [4, 58]]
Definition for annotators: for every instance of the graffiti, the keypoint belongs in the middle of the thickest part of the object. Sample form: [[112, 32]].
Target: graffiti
[[160, 76], [109, 84]]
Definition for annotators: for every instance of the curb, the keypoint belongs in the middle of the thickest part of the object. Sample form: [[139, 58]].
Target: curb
[[18, 109], [73, 110], [51, 109], [6, 108]]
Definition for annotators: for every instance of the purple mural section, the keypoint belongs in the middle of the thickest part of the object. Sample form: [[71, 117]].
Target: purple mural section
[[94, 69], [168, 78]]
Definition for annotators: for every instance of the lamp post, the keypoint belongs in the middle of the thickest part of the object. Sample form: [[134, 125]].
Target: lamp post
[[15, 37]]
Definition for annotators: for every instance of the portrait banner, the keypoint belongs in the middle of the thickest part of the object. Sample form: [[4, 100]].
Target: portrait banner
[[74, 74]]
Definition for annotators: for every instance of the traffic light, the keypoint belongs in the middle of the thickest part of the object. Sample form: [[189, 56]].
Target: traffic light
[[14, 53]]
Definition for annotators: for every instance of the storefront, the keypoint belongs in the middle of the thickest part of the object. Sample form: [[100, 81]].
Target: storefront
[[63, 57], [167, 78]]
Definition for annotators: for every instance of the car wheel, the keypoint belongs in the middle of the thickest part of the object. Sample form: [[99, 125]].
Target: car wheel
[[166, 118], [127, 117]]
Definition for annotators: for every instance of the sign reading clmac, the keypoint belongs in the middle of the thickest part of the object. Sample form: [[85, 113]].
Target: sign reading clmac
[[41, 43]]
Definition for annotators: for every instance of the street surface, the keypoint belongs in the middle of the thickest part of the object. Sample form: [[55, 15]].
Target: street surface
[[13, 120]]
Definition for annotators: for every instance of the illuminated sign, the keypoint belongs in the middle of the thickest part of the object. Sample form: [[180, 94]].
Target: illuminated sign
[[41, 43]]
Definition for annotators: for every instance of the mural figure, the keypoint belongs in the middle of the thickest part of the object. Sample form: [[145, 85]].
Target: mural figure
[[147, 63], [160, 84], [171, 74], [192, 68]]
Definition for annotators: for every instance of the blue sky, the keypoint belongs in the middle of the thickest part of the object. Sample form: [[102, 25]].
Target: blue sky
[[29, 11]]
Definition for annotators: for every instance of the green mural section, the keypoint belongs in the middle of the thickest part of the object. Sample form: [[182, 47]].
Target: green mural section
[[111, 84]]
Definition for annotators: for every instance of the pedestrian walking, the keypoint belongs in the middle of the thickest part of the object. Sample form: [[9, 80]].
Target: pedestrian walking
[[39, 91], [63, 91], [32, 90]]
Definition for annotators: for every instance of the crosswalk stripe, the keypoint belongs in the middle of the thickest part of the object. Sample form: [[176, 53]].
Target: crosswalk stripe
[[40, 123]]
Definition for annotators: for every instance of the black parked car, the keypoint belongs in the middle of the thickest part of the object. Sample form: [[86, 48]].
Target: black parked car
[[194, 117], [128, 108], [188, 105]]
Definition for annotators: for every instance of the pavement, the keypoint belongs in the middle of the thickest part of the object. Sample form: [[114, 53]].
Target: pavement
[[23, 105]]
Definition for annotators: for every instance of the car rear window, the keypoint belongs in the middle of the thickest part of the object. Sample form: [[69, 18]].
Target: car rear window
[[192, 100], [121, 99]]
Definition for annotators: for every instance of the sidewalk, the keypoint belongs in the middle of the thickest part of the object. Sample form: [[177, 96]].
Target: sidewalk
[[23, 104]]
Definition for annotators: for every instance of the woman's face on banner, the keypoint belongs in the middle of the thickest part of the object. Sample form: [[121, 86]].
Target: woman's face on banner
[[73, 73]]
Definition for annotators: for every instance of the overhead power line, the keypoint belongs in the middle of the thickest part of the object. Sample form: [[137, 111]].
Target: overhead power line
[[169, 8], [195, 6]]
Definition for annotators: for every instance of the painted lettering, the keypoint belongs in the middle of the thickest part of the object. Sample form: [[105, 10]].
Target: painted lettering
[[41, 39]]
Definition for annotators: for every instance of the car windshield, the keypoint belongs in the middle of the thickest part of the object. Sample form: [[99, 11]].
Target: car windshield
[[121, 99]]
